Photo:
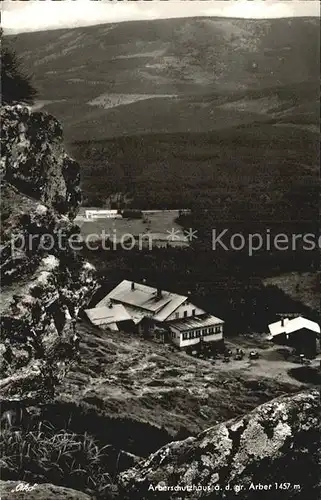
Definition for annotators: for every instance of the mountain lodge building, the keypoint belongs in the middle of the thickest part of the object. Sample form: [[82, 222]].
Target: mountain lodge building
[[151, 308]]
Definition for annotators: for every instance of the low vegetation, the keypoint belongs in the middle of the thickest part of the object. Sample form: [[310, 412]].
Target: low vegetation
[[145, 394], [63, 458]]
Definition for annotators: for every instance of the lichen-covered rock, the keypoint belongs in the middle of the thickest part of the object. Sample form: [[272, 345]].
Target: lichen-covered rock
[[44, 281], [279, 442], [33, 158], [14, 490]]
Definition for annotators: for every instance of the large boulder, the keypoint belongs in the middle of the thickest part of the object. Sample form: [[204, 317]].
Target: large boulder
[[33, 158], [275, 451]]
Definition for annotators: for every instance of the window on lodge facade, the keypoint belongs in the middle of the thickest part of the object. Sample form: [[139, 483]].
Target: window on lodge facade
[[201, 332]]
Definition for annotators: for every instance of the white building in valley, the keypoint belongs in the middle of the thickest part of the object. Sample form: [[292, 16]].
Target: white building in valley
[[102, 214], [150, 308]]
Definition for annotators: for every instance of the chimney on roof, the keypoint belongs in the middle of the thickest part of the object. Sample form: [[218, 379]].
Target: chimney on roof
[[133, 286], [282, 321], [159, 293]]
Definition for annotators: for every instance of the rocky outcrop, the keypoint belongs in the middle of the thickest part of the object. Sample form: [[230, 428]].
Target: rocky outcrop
[[44, 281], [279, 442], [16, 490], [34, 159]]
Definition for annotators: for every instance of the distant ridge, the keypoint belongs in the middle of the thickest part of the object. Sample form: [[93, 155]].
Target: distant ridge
[[126, 21], [183, 58]]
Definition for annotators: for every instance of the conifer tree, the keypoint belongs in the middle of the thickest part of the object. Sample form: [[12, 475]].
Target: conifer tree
[[16, 85]]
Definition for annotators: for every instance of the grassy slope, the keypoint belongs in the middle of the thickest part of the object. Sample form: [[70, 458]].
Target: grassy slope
[[127, 377]]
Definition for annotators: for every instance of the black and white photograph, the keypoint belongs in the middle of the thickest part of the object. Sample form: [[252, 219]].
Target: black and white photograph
[[160, 250]]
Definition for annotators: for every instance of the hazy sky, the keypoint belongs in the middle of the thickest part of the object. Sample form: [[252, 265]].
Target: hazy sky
[[41, 15]]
